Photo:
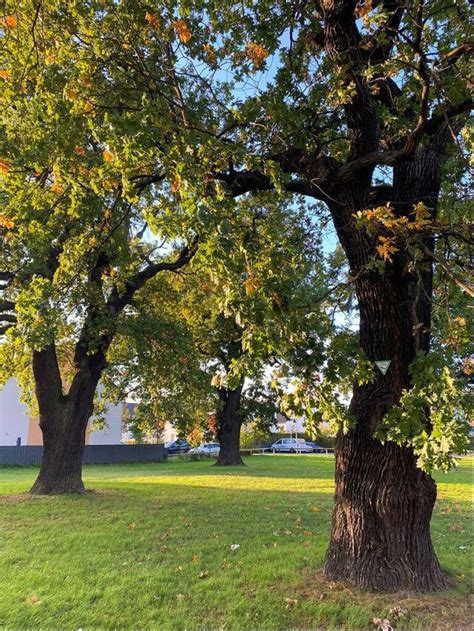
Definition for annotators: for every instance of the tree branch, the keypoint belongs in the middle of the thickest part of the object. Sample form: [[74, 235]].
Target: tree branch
[[392, 157]]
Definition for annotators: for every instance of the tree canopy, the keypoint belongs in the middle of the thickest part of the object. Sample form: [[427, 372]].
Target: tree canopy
[[132, 136]]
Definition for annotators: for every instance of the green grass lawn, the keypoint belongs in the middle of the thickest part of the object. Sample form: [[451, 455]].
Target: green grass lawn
[[150, 548]]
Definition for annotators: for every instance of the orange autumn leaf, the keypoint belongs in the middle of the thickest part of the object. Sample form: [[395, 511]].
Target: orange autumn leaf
[[363, 8], [57, 188], [11, 21], [4, 167], [210, 54], [6, 222], [176, 184], [153, 20], [182, 30], [257, 54], [70, 94], [4, 74], [34, 600], [468, 366], [80, 151], [108, 157]]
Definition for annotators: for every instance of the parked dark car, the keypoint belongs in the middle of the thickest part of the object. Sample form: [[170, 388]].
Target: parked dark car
[[177, 447], [317, 449]]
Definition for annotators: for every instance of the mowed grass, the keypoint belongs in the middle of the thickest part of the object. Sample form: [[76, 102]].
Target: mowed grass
[[150, 548]]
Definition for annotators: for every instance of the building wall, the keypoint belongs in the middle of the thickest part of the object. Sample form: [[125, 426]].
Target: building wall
[[282, 424], [111, 434], [14, 419], [169, 433], [35, 435], [16, 423]]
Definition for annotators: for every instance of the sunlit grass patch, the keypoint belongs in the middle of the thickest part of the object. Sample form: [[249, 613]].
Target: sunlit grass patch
[[150, 548]]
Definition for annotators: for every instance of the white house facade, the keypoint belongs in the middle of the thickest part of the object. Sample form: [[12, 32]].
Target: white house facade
[[18, 427]]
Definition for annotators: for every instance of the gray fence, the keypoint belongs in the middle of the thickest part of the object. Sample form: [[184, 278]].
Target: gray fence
[[93, 454]]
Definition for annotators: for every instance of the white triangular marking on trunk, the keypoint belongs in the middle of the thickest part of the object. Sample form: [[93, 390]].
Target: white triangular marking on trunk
[[383, 365]]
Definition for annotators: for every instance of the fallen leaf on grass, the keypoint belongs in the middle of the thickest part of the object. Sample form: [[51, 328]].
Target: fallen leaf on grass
[[234, 547], [314, 509], [382, 624], [179, 568], [396, 613], [131, 526], [34, 600], [180, 596], [291, 602], [203, 574]]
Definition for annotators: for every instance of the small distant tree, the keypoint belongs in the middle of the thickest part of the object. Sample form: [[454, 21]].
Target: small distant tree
[[243, 303]]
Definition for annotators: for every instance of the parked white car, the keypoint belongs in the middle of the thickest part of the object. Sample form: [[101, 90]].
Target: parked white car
[[291, 445], [206, 449]]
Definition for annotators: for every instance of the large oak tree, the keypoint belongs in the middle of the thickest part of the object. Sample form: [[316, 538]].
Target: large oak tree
[[359, 106], [363, 111]]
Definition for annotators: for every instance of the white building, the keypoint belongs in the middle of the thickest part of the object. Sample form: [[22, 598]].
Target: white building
[[18, 427], [289, 426]]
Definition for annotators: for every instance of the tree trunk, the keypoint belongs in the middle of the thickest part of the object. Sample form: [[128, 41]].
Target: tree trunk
[[230, 422], [380, 537], [383, 503], [63, 422], [63, 448]]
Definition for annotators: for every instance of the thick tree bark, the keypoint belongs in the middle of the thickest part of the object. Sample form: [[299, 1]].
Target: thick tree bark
[[61, 465], [229, 424], [63, 422], [380, 536]]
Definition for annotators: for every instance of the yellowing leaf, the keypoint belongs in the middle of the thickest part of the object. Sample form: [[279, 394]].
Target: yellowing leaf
[[80, 151], [107, 155], [70, 94], [257, 54], [210, 54], [4, 167], [88, 107], [4, 74], [182, 30], [386, 248], [250, 284], [422, 212]]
